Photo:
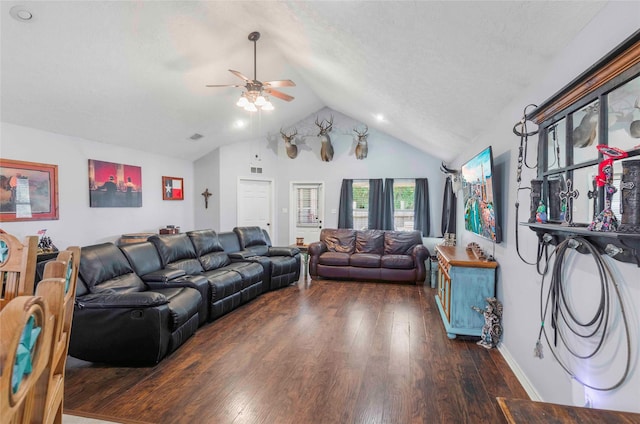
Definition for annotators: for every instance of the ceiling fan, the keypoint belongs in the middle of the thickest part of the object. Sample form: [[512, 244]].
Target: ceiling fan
[[256, 94]]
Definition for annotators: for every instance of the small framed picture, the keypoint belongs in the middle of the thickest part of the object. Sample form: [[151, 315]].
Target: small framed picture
[[172, 188]]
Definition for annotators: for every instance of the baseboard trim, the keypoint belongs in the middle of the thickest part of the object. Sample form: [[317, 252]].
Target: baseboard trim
[[520, 375], [102, 417]]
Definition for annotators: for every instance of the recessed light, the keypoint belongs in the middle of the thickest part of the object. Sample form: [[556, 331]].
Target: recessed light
[[20, 13], [379, 117], [239, 123]]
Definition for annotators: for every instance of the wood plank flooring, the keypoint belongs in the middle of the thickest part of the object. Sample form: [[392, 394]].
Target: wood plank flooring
[[315, 352]]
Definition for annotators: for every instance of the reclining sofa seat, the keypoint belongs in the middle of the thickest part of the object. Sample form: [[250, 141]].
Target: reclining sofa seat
[[118, 319], [281, 264], [145, 261], [397, 256], [200, 253]]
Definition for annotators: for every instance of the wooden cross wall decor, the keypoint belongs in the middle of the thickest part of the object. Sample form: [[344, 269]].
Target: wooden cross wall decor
[[569, 196], [206, 195]]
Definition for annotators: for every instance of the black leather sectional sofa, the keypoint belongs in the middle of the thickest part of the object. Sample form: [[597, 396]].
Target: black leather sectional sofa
[[137, 303]]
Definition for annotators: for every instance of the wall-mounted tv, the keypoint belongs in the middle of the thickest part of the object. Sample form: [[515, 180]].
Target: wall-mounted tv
[[480, 209]]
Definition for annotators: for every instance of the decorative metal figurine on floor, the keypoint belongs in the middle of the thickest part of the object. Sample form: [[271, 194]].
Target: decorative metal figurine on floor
[[492, 328]]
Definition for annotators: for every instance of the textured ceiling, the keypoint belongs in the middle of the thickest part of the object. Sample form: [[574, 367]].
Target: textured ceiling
[[134, 73]]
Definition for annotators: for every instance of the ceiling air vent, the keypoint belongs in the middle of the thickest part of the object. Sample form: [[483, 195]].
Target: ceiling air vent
[[196, 136], [256, 170]]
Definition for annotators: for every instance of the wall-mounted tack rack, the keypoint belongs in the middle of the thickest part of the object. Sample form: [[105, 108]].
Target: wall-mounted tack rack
[[599, 107], [623, 247]]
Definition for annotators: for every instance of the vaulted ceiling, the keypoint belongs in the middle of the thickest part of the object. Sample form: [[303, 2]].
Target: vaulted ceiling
[[134, 73]]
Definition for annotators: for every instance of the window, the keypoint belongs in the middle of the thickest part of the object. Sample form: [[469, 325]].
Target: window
[[403, 204], [360, 204], [307, 205]]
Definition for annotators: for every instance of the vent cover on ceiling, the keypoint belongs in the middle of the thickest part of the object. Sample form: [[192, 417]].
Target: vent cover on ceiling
[[196, 136], [256, 170]]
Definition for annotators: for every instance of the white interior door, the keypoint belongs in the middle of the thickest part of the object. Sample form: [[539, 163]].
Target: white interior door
[[255, 200], [307, 211]]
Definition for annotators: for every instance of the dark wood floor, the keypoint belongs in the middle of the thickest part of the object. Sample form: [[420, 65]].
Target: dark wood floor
[[315, 352]]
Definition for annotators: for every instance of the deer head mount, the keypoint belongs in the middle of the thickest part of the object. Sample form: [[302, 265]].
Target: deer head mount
[[291, 148], [326, 151], [454, 174], [448, 171], [362, 149]]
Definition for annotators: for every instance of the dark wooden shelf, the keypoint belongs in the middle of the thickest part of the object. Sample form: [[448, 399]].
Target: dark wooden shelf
[[628, 242]]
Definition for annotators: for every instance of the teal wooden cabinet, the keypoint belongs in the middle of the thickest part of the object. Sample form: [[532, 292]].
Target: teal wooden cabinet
[[465, 279]]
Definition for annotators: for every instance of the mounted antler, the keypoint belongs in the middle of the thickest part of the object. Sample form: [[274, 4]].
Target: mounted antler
[[363, 133], [325, 126], [326, 151], [362, 149], [292, 149]]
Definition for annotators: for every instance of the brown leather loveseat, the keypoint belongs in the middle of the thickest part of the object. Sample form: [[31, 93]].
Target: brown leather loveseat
[[395, 256]]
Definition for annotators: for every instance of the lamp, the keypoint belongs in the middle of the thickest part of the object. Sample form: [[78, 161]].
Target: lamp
[[253, 100]]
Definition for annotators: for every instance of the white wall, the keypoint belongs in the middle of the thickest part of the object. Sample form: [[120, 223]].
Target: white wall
[[388, 158], [519, 285], [80, 224], [207, 177]]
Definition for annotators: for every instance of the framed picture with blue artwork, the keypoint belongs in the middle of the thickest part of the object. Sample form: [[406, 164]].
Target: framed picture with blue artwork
[[172, 188]]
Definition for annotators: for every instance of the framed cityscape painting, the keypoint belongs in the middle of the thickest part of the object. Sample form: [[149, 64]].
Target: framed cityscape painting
[[28, 191], [114, 185], [172, 188]]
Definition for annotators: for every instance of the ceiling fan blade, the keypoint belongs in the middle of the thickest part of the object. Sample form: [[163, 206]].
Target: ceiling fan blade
[[279, 94], [280, 83], [224, 85], [239, 75]]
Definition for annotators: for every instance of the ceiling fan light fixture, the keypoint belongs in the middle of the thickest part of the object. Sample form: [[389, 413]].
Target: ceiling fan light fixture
[[260, 100], [253, 99], [242, 101]]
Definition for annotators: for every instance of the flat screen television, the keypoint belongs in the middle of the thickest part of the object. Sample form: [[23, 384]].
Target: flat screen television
[[480, 209]]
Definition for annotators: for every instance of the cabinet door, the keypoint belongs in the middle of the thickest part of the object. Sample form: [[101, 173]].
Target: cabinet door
[[471, 287], [444, 289]]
